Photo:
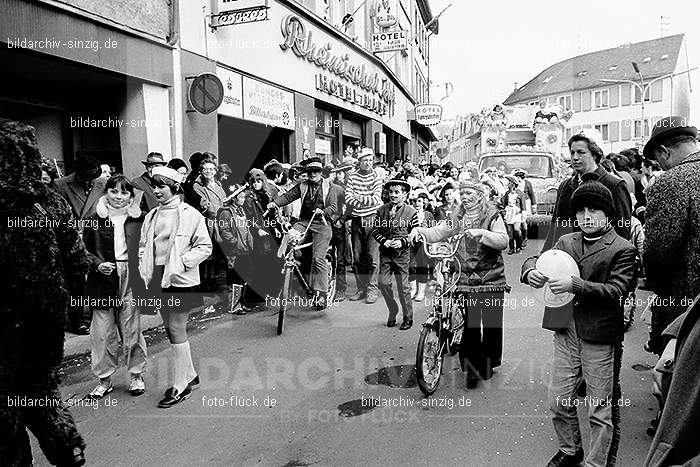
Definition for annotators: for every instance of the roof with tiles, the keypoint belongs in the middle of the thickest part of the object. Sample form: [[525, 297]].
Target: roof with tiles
[[655, 58]]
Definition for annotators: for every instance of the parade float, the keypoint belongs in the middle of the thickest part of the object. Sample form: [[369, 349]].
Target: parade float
[[527, 138]]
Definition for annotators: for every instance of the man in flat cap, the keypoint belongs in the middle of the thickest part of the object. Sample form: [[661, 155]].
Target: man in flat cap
[[672, 263]]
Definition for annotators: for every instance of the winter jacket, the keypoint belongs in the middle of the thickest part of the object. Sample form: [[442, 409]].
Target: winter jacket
[[190, 245], [607, 273], [330, 193], [99, 242], [563, 217], [236, 239], [672, 236], [71, 190]]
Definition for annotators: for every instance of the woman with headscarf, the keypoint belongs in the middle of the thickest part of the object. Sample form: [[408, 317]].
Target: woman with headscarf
[[42, 261], [483, 278]]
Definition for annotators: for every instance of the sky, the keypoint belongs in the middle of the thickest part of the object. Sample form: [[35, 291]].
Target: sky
[[484, 47]]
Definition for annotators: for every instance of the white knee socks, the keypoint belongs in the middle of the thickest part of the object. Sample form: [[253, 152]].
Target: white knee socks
[[182, 364]]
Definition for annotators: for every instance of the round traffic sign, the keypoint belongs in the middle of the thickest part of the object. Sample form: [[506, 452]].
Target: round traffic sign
[[206, 93]]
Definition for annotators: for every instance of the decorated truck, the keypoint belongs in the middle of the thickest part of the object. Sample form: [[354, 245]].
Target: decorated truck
[[522, 137]]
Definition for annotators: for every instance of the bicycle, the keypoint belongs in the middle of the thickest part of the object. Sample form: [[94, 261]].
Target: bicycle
[[290, 244], [441, 332]]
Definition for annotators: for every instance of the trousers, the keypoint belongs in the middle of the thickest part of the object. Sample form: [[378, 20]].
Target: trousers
[[365, 254], [394, 266], [481, 346], [112, 325], [599, 366], [321, 239]]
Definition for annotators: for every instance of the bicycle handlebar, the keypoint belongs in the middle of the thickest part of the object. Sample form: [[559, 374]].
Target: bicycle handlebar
[[453, 250]]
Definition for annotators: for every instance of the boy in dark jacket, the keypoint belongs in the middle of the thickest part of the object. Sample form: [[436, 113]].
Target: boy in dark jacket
[[392, 224], [589, 330]]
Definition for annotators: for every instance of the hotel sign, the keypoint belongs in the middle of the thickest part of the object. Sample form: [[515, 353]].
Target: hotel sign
[[349, 81], [428, 114], [389, 41]]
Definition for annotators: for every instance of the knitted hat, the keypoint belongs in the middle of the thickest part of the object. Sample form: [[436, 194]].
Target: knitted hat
[[594, 195], [167, 172]]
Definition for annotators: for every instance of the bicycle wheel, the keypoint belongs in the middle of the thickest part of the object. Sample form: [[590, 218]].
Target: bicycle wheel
[[428, 360], [284, 300]]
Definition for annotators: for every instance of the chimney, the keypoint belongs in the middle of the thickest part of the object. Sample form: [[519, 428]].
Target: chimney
[[515, 86]]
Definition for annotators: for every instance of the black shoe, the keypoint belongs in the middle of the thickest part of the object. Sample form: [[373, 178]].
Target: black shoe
[[564, 460], [82, 330], [511, 252], [391, 323], [172, 397], [406, 324], [472, 381], [194, 383]]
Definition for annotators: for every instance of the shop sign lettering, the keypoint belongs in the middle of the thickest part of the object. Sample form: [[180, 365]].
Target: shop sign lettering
[[300, 41], [246, 15]]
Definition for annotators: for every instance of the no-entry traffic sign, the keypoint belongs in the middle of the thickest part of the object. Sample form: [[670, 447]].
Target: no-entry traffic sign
[[206, 93]]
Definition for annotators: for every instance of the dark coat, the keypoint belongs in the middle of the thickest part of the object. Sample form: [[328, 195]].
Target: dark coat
[[99, 242], [563, 217], [330, 202], [675, 442], [672, 235], [145, 184], [397, 228], [83, 206], [236, 240], [607, 273], [255, 206]]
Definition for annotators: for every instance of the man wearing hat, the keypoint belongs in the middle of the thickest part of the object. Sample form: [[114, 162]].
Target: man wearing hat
[[145, 182], [341, 227], [672, 245], [82, 190], [392, 225], [530, 200], [672, 264], [318, 196], [363, 195]]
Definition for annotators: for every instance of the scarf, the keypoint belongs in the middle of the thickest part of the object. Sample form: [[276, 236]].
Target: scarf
[[147, 262], [592, 238]]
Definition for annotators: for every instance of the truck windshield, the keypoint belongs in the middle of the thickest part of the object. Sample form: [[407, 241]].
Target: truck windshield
[[535, 165]]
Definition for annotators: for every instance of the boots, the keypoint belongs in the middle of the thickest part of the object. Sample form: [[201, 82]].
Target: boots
[[420, 295]]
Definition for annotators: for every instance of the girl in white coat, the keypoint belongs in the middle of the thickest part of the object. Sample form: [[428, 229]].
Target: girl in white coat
[[174, 241]]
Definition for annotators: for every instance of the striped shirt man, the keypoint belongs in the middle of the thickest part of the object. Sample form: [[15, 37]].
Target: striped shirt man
[[363, 193]]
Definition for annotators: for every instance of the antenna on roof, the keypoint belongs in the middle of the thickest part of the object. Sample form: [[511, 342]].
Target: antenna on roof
[[665, 25]]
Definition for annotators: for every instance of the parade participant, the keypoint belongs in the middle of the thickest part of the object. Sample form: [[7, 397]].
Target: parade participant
[[672, 243], [259, 194], [483, 279], [449, 197], [319, 198], [112, 240], [145, 181], [590, 329], [237, 246], [525, 186], [392, 225], [39, 267], [341, 230], [211, 198], [586, 154], [179, 165], [513, 203], [420, 263], [174, 242], [363, 195]]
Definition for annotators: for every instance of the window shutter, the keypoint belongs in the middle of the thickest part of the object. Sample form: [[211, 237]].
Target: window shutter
[[626, 132], [626, 94], [576, 102], [614, 132], [614, 96], [586, 100], [657, 91]]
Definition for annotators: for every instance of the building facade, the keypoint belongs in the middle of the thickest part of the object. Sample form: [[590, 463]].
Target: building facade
[[604, 91]]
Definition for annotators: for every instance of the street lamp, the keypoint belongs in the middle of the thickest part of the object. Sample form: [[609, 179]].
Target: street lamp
[[644, 87]]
